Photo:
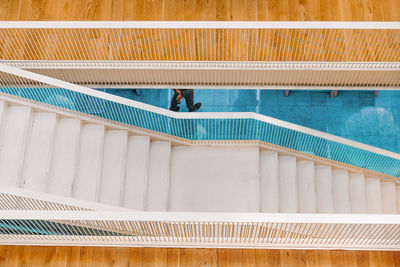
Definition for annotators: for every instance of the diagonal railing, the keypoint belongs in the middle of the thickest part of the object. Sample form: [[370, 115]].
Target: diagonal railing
[[196, 126], [245, 230], [208, 54]]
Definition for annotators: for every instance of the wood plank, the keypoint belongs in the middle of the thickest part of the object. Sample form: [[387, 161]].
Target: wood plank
[[62, 256], [174, 257], [362, 258], [387, 258], [3, 255], [86, 257], [36, 258], [98, 255], [12, 256], [24, 256], [249, 257], [324, 258], [74, 257], [135, 257], [49, 256]]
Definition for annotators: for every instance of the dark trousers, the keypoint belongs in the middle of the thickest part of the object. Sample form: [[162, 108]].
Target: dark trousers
[[188, 95]]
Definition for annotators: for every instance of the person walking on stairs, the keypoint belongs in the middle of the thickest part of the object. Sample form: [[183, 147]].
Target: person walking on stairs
[[188, 95]]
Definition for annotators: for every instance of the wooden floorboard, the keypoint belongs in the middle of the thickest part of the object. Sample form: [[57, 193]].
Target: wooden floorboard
[[106, 256], [262, 10]]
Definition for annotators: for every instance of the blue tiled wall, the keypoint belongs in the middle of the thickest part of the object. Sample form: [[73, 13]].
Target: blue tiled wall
[[357, 115]]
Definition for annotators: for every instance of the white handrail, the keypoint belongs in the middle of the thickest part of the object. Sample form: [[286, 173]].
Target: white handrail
[[39, 199], [201, 24], [198, 115], [201, 217]]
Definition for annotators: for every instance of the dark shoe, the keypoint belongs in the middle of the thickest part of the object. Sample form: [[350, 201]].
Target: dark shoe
[[195, 107], [176, 109]]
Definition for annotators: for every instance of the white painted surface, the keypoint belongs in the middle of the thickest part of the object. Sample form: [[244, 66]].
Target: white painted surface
[[214, 179], [87, 181], [269, 192], [113, 167], [306, 187], [65, 157], [323, 185], [373, 193], [389, 197], [3, 114], [341, 194], [357, 193], [15, 133], [136, 172], [287, 184], [398, 198], [158, 176], [39, 151]]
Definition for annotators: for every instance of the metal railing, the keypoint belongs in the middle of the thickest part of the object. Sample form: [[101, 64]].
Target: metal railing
[[196, 126], [213, 54], [201, 41], [245, 230], [14, 198]]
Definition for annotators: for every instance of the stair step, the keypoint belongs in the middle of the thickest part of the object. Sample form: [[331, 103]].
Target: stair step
[[341, 194], [306, 187], [39, 151], [389, 197], [269, 181], [287, 185], [158, 176], [214, 179], [134, 196], [113, 169], [15, 132], [357, 193], [65, 157], [86, 185], [323, 185], [373, 193]]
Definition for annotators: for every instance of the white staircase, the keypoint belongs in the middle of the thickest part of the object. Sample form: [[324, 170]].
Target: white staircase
[[65, 156]]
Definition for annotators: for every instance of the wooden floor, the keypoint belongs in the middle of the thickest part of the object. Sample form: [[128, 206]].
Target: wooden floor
[[200, 45], [328, 10], [100, 256]]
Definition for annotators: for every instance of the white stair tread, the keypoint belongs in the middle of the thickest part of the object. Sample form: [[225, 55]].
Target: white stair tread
[[398, 198], [288, 202], [113, 169], [158, 176], [357, 193], [306, 187], [373, 193], [39, 151], [89, 166], [214, 179], [65, 157], [269, 181], [323, 185], [15, 131], [134, 195], [389, 197], [341, 194]]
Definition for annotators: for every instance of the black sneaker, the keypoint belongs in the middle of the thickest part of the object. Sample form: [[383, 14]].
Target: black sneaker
[[176, 109], [196, 107]]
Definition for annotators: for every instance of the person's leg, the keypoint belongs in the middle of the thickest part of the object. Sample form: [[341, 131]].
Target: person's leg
[[188, 95], [174, 103]]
